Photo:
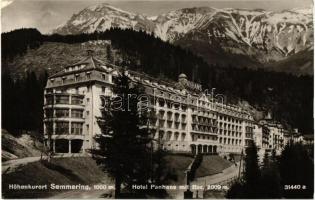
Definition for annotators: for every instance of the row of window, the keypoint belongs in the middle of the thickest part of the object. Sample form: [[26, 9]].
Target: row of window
[[203, 120], [204, 137], [230, 119], [169, 115], [63, 128], [64, 112], [80, 77], [64, 99], [203, 128], [230, 133], [230, 141], [169, 105], [230, 126], [203, 112], [168, 136], [170, 124]]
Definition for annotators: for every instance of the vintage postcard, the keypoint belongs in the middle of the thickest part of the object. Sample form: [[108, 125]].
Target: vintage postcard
[[178, 99]]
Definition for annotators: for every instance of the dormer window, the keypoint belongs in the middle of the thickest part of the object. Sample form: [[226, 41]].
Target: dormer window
[[104, 77], [76, 77], [88, 75]]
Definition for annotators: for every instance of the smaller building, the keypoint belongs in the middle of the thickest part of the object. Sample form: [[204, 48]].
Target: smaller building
[[261, 138]]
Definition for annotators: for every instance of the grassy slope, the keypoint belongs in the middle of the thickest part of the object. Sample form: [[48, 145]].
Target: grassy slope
[[85, 171], [180, 164], [18, 147], [60, 171], [74, 171], [212, 164]]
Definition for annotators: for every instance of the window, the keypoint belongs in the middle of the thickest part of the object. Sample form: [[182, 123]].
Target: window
[[49, 100], [103, 89], [76, 128], [87, 113], [62, 128], [49, 127], [76, 100], [176, 135], [49, 91], [87, 128], [62, 99], [105, 77], [77, 113], [169, 135], [183, 126], [62, 112], [183, 136], [169, 124], [76, 77], [161, 135], [49, 113], [88, 75]]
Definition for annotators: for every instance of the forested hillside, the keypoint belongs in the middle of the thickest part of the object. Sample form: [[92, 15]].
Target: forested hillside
[[289, 97]]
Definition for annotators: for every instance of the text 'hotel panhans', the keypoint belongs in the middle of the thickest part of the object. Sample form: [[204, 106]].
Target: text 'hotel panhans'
[[186, 119]]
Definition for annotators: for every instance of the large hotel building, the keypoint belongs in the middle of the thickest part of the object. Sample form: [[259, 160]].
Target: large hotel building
[[185, 120]]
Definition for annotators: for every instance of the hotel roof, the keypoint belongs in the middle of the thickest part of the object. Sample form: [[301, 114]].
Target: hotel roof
[[88, 63]]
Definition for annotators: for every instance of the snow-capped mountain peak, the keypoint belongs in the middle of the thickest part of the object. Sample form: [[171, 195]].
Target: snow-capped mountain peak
[[102, 17], [241, 31]]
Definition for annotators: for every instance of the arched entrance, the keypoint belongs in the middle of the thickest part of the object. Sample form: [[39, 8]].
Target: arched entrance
[[210, 149], [193, 149], [76, 146], [199, 148], [214, 149], [62, 146], [205, 149]]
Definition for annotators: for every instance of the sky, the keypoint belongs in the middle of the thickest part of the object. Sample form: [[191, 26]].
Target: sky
[[46, 15]]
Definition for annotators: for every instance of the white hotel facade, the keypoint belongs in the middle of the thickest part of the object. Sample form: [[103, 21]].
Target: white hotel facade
[[185, 120]]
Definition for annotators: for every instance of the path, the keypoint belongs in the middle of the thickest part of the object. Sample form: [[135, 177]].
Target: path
[[217, 179], [11, 165]]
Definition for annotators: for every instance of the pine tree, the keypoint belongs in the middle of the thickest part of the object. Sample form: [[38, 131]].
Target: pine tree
[[109, 54], [124, 145], [270, 179], [250, 185], [252, 173]]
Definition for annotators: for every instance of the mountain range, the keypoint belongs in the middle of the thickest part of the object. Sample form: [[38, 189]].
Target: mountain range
[[227, 37]]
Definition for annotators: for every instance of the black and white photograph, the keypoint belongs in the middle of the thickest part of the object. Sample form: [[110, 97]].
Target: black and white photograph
[[157, 99]]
